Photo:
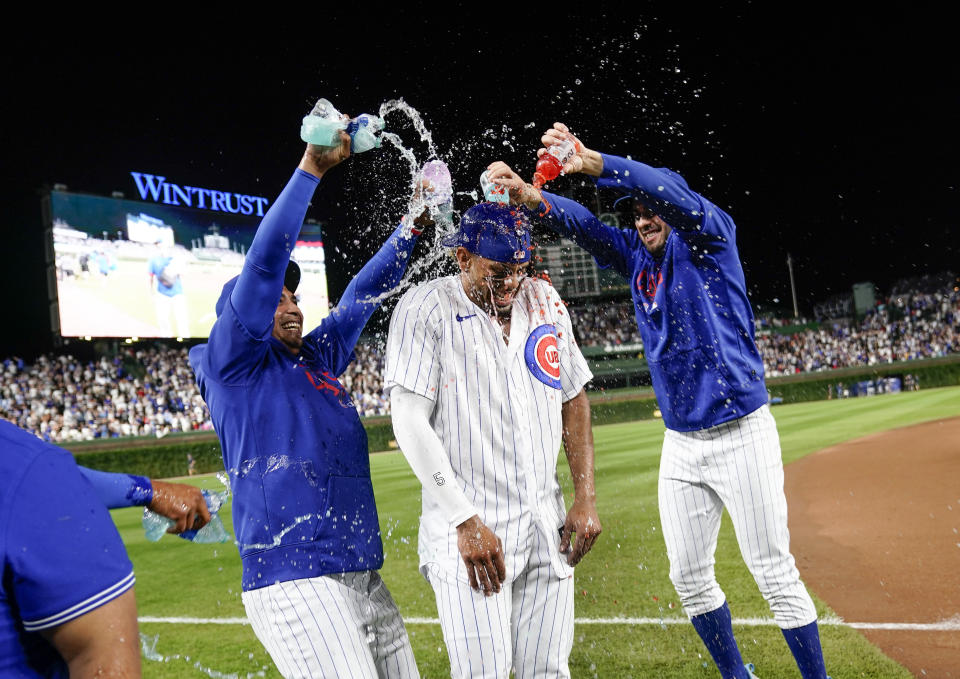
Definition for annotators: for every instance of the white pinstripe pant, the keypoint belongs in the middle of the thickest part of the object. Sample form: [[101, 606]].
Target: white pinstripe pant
[[736, 465], [342, 625], [527, 626]]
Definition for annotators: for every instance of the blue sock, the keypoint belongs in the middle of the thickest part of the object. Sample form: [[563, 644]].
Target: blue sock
[[716, 630], [804, 643]]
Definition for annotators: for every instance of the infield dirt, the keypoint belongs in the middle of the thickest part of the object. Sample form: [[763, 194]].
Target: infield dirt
[[875, 529]]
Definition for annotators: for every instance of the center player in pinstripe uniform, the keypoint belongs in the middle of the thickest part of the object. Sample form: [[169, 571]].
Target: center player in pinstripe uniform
[[485, 380]]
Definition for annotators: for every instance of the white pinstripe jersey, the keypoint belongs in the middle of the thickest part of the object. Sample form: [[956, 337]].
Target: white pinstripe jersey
[[497, 409]]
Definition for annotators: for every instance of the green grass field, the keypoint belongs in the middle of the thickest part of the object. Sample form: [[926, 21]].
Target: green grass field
[[624, 576]]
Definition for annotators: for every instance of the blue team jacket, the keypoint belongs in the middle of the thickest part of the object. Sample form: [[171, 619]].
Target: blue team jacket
[[691, 304], [292, 441]]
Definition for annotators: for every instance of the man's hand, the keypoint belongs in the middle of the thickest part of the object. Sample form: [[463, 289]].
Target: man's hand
[[418, 203], [482, 554], [582, 520], [521, 193], [181, 503], [318, 159], [583, 160]]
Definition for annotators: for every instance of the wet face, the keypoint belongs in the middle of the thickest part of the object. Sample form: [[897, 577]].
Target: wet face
[[490, 285], [288, 322], [653, 230]]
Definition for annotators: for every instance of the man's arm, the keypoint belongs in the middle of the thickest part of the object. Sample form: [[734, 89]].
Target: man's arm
[[609, 245], [381, 274], [582, 518], [179, 502], [101, 644], [480, 548], [255, 297], [660, 189]]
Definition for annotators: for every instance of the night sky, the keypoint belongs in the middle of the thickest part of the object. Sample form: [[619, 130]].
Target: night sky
[[825, 135]]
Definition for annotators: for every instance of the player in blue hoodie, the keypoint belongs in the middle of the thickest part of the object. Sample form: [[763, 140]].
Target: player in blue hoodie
[[296, 451], [721, 447]]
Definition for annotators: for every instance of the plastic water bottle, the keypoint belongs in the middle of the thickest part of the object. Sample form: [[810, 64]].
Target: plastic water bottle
[[441, 185], [155, 526], [493, 193], [551, 163], [322, 126], [439, 197], [364, 131]]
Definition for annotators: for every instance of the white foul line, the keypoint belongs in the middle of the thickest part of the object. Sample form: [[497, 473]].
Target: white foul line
[[951, 625]]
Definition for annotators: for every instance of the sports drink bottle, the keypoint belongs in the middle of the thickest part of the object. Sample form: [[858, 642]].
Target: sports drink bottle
[[551, 163]]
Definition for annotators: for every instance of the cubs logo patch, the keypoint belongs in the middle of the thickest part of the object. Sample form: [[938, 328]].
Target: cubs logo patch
[[543, 356]]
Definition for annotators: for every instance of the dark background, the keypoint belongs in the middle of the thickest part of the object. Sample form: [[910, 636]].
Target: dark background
[[826, 133]]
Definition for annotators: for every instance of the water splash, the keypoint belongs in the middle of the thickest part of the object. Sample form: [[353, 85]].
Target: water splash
[[148, 645], [389, 107]]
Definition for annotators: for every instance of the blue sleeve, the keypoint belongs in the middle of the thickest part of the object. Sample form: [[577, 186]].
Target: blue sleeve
[[381, 274], [666, 193], [255, 297], [119, 490], [69, 558], [236, 342], [610, 246]]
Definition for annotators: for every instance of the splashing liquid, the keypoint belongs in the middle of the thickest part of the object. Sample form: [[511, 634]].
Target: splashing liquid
[[148, 645]]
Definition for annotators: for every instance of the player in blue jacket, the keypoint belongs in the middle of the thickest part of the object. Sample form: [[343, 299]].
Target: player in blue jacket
[[66, 594], [296, 451], [721, 447]]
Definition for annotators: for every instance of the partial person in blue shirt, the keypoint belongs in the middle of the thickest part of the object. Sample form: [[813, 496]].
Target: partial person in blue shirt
[[721, 448], [67, 605], [303, 506]]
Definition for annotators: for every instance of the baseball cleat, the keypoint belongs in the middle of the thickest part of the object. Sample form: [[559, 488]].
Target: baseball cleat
[[749, 667]]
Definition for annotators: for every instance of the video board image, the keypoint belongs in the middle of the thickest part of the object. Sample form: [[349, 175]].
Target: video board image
[[136, 269]]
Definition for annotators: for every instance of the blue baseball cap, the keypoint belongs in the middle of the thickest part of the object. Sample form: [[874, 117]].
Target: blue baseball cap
[[291, 279], [495, 231], [675, 176]]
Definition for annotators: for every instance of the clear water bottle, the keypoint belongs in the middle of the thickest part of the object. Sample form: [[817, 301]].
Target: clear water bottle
[[439, 197], [155, 526], [551, 163], [493, 193], [322, 126], [364, 131]]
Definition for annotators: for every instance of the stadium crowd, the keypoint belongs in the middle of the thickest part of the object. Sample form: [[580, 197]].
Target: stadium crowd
[[907, 327], [151, 391], [62, 399]]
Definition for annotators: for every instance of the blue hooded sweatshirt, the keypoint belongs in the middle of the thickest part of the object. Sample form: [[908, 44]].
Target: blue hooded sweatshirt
[[292, 441], [691, 302]]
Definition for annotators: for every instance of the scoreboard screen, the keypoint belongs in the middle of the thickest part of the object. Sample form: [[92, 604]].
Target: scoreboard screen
[[128, 268]]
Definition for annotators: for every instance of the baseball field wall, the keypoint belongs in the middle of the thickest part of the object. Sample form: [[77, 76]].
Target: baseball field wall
[[167, 457]]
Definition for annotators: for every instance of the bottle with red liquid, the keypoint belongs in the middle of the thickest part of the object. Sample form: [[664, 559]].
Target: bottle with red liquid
[[551, 163]]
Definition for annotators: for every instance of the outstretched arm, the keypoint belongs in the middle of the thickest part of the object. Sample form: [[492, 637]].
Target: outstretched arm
[[611, 246], [381, 274], [660, 189], [182, 503], [258, 289]]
